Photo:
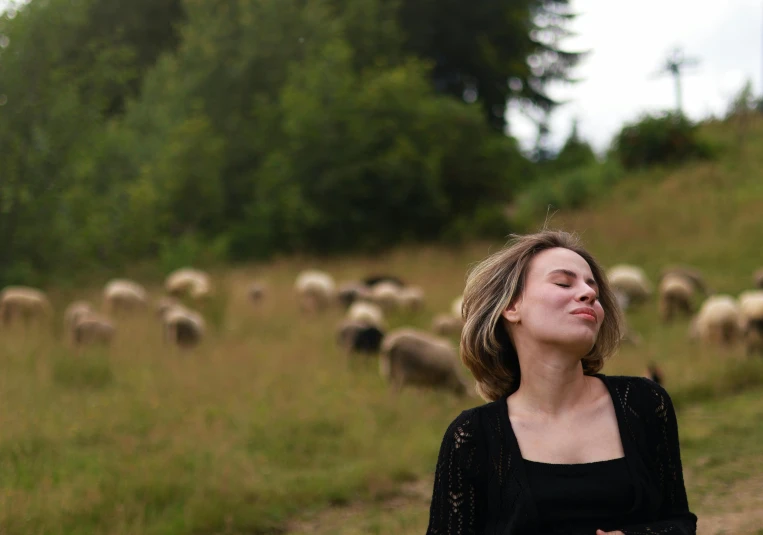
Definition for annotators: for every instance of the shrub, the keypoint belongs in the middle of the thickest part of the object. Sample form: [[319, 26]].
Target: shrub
[[669, 138]]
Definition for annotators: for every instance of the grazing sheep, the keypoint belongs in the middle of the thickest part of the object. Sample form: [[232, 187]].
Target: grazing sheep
[[122, 295], [410, 298], [350, 291], [751, 320], [22, 302], [188, 282], [410, 356], [456, 306], [373, 280], [632, 281], [689, 273], [717, 321], [92, 328], [676, 293], [385, 294], [359, 337], [257, 292], [183, 327], [74, 311], [447, 325], [757, 278], [365, 312], [164, 303], [315, 290]]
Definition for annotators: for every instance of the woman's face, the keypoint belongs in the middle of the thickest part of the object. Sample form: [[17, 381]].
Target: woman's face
[[559, 305]]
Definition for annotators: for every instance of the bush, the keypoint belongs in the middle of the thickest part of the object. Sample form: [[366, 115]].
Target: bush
[[669, 138], [567, 190]]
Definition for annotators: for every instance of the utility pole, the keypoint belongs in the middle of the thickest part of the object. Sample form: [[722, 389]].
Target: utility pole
[[675, 65]]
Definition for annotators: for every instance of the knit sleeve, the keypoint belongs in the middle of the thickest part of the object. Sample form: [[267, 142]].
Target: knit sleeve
[[674, 517], [458, 498]]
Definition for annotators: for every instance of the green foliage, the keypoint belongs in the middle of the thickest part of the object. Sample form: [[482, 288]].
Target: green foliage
[[570, 189], [668, 138]]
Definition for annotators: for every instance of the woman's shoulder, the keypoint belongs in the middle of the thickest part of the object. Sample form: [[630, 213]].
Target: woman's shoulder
[[471, 423], [639, 394]]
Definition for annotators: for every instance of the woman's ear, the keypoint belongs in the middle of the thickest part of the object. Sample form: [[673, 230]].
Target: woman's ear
[[512, 312]]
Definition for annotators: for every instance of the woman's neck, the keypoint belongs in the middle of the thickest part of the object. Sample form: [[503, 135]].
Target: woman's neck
[[551, 385]]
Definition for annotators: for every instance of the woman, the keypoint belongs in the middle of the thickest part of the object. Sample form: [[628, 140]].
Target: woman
[[559, 448]]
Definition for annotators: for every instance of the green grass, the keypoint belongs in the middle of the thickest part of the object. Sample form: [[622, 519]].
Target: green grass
[[266, 422]]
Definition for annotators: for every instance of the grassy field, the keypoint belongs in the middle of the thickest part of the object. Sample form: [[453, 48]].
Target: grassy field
[[267, 428]]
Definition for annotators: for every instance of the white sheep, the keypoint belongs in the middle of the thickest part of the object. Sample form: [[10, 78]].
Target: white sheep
[[188, 282], [183, 327], [632, 281], [74, 311], [92, 328], [386, 295], [410, 356], [23, 302], [365, 312], [122, 295], [751, 320], [350, 291], [447, 325], [717, 321], [257, 291], [315, 290], [675, 296], [410, 298]]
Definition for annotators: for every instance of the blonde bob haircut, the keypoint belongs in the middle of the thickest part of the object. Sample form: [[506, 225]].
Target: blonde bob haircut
[[495, 283]]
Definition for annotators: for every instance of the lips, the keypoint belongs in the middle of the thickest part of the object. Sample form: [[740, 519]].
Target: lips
[[587, 313]]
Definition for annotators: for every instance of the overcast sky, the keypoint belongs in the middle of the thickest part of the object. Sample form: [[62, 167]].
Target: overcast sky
[[628, 42]]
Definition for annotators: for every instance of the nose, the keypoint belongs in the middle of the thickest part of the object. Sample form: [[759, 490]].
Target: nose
[[587, 294]]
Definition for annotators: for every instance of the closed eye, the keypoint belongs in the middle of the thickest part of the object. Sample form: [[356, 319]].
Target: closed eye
[[562, 285]]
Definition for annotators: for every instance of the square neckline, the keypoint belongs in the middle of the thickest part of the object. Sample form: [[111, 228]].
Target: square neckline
[[510, 439]]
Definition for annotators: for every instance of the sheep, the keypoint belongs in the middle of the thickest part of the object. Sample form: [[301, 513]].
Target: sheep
[[315, 290], [410, 356], [25, 303], [385, 294], [410, 298], [359, 337], [164, 303], [350, 291], [92, 328], [122, 295], [188, 282], [675, 296], [689, 273], [183, 327], [751, 320], [717, 321], [447, 324], [757, 278], [257, 291], [74, 311], [632, 281], [373, 280], [365, 312]]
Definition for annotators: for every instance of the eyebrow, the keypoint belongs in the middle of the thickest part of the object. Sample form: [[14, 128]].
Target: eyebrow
[[572, 274]]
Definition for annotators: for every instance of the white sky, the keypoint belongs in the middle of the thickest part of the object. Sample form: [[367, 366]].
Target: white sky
[[628, 43]]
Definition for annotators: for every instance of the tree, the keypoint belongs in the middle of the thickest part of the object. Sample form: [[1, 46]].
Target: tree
[[478, 48]]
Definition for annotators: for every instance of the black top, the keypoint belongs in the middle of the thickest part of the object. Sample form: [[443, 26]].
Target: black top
[[481, 484], [583, 497]]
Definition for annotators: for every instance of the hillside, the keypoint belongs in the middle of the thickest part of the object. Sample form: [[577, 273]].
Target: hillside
[[267, 428]]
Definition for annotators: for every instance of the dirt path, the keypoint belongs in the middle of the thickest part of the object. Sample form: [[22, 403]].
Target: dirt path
[[738, 512]]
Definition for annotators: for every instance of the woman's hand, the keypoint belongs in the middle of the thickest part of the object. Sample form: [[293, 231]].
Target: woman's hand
[[602, 532]]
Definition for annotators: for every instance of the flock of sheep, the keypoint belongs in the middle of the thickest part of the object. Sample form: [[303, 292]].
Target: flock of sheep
[[407, 356], [84, 324]]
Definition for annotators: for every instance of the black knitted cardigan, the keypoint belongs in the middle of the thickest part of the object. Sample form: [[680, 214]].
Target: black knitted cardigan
[[481, 487]]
